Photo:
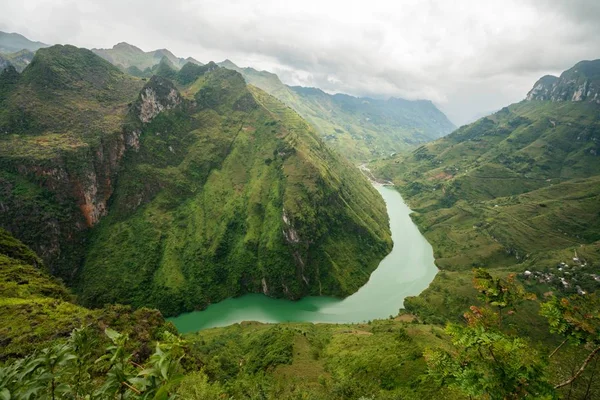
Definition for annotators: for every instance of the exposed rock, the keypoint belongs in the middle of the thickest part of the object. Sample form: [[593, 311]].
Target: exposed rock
[[580, 83], [158, 95], [290, 233], [265, 289]]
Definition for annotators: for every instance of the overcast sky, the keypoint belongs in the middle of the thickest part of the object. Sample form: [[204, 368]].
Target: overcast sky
[[469, 57]]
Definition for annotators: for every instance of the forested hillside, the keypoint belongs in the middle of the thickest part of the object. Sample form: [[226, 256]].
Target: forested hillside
[[180, 190], [518, 191]]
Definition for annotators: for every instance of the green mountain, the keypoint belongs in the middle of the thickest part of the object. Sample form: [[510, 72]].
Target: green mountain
[[19, 60], [518, 190], [360, 128], [179, 192], [17, 50], [14, 42], [136, 61]]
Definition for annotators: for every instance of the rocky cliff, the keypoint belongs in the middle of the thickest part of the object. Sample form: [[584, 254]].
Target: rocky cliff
[[580, 83]]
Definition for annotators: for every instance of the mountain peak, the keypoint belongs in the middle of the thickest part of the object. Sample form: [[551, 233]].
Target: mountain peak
[[579, 83], [69, 66], [124, 46]]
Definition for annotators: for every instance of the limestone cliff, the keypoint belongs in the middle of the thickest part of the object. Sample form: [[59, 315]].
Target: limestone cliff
[[580, 83]]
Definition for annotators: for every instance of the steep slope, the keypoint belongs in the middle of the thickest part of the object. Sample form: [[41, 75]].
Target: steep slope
[[36, 309], [359, 128], [137, 61], [580, 83], [14, 42], [195, 192], [519, 189], [230, 192], [61, 140]]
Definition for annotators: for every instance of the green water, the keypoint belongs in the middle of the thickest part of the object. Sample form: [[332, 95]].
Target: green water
[[406, 271]]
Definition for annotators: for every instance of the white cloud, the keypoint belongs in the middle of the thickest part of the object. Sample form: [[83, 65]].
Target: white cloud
[[468, 56]]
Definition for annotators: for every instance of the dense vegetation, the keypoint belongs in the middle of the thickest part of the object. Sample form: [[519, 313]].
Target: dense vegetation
[[515, 192], [177, 191], [199, 210], [360, 128], [117, 353]]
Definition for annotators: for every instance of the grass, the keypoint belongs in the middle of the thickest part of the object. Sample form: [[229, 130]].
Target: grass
[[36, 309]]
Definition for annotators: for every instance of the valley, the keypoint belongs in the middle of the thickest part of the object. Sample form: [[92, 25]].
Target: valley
[[405, 271], [177, 229]]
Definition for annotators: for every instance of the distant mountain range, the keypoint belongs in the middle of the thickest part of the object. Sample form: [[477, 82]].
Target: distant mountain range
[[361, 128], [13, 42], [17, 50], [138, 62]]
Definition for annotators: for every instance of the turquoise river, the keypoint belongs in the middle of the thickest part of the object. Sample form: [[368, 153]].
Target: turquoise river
[[405, 271]]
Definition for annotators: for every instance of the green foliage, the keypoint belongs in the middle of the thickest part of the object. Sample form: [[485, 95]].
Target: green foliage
[[63, 371], [575, 317], [225, 192], [378, 360], [487, 362], [491, 365]]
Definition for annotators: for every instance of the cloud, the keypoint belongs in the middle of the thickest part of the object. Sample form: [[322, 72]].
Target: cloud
[[469, 56]]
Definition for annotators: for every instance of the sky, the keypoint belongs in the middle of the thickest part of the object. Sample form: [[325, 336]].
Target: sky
[[470, 57]]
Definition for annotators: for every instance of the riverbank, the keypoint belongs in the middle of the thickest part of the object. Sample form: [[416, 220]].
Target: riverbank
[[405, 271]]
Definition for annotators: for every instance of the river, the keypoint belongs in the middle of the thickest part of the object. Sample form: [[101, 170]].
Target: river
[[405, 271]]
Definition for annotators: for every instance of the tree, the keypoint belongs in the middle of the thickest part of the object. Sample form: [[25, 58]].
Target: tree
[[577, 319], [486, 362]]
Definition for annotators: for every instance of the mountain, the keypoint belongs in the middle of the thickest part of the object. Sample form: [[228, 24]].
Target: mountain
[[13, 42], [360, 128], [580, 83], [19, 59], [519, 189], [136, 61], [180, 192]]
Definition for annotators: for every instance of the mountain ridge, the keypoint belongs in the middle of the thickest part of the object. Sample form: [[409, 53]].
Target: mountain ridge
[[14, 42], [579, 83], [360, 128], [131, 58], [518, 190]]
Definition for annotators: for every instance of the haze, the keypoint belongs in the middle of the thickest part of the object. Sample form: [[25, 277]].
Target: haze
[[468, 57]]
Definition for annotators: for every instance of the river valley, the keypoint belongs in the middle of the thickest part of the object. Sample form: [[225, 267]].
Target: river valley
[[405, 271]]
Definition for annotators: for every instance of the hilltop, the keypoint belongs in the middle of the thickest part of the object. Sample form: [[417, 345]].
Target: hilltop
[[14, 42]]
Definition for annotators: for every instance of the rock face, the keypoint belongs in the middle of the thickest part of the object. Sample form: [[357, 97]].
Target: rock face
[[57, 170], [158, 95], [580, 83]]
